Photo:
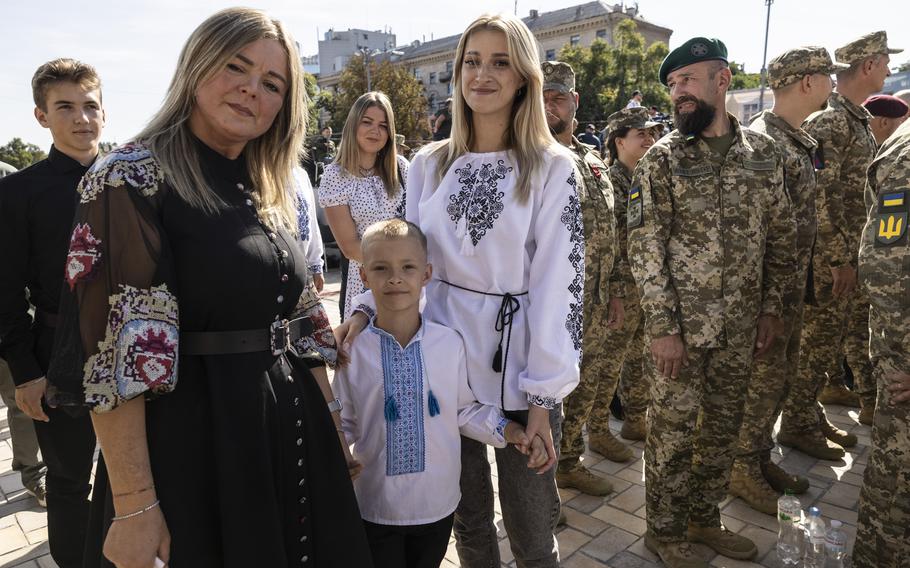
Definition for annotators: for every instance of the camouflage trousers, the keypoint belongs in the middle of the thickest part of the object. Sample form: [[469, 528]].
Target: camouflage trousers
[[693, 426], [772, 376], [603, 351], [837, 328], [633, 385], [883, 529]]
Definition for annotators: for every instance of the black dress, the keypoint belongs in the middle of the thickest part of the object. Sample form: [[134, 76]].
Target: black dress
[[244, 453]]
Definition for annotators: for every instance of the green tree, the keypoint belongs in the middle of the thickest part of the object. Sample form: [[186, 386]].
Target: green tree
[[905, 66], [20, 154], [607, 75], [403, 89], [743, 80], [309, 81]]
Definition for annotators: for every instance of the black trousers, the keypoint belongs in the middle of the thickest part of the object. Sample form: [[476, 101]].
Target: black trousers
[[67, 445], [409, 546]]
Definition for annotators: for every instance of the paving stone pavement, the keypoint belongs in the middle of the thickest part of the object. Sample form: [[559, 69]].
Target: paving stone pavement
[[600, 531]]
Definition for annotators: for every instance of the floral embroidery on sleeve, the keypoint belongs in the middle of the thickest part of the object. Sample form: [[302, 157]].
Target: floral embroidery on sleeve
[[571, 218], [84, 255], [130, 164]]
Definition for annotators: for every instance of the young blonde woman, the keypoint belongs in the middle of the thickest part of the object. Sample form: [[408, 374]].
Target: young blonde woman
[[184, 251], [499, 205], [364, 185]]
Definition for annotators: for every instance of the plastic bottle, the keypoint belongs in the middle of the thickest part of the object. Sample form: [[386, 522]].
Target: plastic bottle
[[835, 545], [815, 540], [789, 535]]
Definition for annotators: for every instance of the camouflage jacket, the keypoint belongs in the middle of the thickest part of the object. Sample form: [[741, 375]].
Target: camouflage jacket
[[884, 252], [797, 149], [621, 179], [712, 246], [845, 149], [601, 281]]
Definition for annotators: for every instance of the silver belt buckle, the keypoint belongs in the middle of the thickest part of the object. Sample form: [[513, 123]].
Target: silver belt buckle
[[280, 336]]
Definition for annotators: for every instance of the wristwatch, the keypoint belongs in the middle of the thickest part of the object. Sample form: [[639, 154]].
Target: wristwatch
[[335, 405]]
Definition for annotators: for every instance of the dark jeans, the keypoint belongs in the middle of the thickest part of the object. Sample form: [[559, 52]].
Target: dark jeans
[[409, 546], [530, 505]]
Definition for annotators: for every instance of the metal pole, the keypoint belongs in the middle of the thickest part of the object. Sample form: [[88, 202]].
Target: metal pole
[[764, 70]]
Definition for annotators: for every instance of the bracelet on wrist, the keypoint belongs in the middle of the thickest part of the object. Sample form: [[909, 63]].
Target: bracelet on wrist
[[137, 513]]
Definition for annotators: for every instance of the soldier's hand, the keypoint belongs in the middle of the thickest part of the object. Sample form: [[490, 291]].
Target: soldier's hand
[[769, 327], [899, 387], [669, 355], [616, 313], [844, 280]]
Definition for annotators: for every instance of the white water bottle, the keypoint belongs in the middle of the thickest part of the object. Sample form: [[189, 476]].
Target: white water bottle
[[789, 535], [835, 545], [815, 540]]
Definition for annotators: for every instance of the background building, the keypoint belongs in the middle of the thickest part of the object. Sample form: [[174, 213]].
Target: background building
[[743, 103], [338, 47]]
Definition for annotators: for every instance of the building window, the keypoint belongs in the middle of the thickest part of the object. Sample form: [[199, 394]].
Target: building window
[[449, 66], [365, 36], [432, 78], [573, 41], [602, 34], [551, 54]]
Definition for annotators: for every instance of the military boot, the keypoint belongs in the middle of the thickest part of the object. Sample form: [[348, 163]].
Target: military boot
[[748, 483], [838, 394], [675, 554], [781, 481], [581, 478], [633, 429], [812, 444], [723, 542], [838, 436], [609, 447], [866, 414]]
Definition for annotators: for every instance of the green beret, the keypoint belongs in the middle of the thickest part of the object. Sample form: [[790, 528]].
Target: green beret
[[695, 50]]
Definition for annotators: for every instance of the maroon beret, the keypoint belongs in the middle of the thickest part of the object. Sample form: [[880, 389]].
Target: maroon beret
[[886, 106]]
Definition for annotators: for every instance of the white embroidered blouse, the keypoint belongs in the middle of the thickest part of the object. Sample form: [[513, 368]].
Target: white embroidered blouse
[[410, 449], [307, 223], [487, 244]]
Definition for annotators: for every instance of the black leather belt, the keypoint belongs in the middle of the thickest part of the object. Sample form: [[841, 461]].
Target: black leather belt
[[277, 338]]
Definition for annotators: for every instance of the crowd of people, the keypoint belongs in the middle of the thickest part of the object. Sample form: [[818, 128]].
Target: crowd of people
[[498, 288]]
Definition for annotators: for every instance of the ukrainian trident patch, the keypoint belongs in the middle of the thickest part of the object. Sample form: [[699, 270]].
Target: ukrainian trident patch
[[891, 219], [634, 214]]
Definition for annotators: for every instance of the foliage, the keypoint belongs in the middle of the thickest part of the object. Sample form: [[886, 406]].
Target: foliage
[[606, 76], [20, 154], [743, 80], [403, 89], [312, 125]]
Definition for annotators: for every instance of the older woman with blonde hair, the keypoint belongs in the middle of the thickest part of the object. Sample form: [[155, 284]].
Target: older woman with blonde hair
[[498, 202], [184, 264], [364, 185]]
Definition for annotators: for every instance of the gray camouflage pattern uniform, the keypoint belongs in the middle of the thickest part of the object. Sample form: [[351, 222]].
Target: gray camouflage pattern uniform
[[712, 244], [883, 533]]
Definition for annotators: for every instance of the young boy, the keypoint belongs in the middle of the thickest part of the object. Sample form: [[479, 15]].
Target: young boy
[[37, 206], [405, 403]]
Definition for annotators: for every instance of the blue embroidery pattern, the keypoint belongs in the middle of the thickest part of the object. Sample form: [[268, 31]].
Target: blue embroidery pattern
[[402, 372], [571, 218], [478, 201], [130, 165], [303, 217]]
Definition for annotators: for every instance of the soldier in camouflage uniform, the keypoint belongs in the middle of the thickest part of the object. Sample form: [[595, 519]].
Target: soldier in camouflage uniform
[[839, 324], [801, 81], [883, 531], [588, 404], [631, 133], [712, 244]]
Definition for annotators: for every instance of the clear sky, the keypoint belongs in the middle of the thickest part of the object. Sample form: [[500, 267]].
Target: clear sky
[[134, 45]]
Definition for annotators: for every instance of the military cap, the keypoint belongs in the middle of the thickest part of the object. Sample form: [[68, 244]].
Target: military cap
[[887, 106], [794, 64], [637, 117], [695, 50], [558, 76], [875, 43]]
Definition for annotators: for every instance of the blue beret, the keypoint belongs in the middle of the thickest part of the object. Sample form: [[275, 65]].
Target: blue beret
[[693, 51]]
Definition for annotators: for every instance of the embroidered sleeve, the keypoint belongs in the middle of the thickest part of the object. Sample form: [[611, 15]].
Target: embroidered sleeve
[[477, 421], [322, 341], [555, 286], [118, 332], [333, 189], [307, 224]]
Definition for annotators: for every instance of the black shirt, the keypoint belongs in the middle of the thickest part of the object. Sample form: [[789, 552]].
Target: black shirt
[[37, 206]]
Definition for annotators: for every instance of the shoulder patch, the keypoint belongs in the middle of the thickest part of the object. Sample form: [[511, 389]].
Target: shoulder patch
[[891, 219], [818, 160], [130, 165], [635, 212]]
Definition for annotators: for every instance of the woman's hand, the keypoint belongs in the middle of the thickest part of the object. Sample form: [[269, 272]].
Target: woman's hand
[[135, 542], [319, 282], [354, 466], [347, 332], [539, 425]]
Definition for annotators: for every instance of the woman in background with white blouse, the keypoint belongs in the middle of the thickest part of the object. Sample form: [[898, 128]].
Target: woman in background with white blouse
[[364, 185]]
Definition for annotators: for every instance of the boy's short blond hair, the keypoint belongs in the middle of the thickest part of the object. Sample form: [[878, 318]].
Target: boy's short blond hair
[[60, 71], [391, 230]]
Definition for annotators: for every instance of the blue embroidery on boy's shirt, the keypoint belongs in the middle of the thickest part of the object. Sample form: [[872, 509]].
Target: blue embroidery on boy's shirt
[[402, 372]]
